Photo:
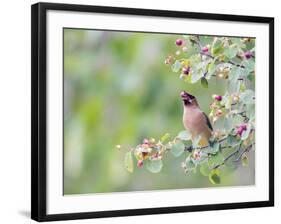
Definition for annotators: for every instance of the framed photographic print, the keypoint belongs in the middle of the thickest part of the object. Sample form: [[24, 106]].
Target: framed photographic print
[[139, 111]]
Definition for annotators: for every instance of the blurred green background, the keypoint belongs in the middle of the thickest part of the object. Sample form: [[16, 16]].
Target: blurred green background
[[117, 90]]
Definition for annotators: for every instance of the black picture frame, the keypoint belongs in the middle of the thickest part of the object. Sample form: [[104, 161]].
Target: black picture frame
[[39, 107]]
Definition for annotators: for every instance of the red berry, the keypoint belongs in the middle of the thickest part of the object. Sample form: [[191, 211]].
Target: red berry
[[179, 42], [248, 54], [186, 70], [140, 163], [218, 97], [205, 49]]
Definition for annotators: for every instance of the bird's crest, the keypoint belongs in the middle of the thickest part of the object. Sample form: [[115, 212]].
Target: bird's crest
[[187, 98]]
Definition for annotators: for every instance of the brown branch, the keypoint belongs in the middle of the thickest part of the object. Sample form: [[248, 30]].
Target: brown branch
[[190, 148]]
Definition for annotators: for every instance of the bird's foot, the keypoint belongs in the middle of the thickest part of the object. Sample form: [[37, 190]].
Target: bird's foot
[[211, 142], [188, 148]]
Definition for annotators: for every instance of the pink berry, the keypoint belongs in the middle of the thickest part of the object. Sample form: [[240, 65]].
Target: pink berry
[[179, 42], [248, 54], [186, 70], [239, 131], [184, 49], [140, 163], [145, 141], [218, 112], [205, 49], [244, 127], [218, 97]]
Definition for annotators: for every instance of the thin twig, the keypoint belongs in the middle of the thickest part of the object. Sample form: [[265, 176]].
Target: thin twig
[[212, 57], [229, 62], [247, 149], [228, 157], [240, 79]]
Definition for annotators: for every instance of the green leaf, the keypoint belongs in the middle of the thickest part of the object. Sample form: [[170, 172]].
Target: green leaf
[[184, 135], [214, 148], [231, 51], [234, 73], [195, 60], [204, 169], [211, 68], [228, 124], [247, 97], [214, 176], [187, 78], [176, 66], [242, 87], [236, 41], [224, 124], [165, 137], [226, 101], [249, 64], [233, 140], [190, 165], [217, 47], [245, 160], [196, 140], [219, 124], [237, 119], [237, 72], [195, 76], [129, 164], [204, 82], [251, 77], [177, 148], [250, 111], [245, 134], [154, 166], [216, 159]]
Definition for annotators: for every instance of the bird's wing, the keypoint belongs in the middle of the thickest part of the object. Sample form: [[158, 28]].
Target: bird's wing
[[208, 121]]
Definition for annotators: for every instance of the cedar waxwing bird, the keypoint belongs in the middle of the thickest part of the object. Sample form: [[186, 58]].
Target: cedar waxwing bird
[[195, 120]]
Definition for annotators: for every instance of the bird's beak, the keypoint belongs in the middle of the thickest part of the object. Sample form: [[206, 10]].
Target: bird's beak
[[186, 96]]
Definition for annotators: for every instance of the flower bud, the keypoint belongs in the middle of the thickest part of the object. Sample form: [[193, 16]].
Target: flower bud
[[196, 155], [221, 75], [179, 42], [235, 98], [145, 141], [239, 131], [248, 54], [140, 164], [186, 70], [178, 53], [169, 60], [218, 97], [205, 49], [219, 112], [118, 147]]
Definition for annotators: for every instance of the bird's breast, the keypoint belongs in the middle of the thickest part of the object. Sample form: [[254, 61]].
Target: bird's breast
[[194, 121]]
